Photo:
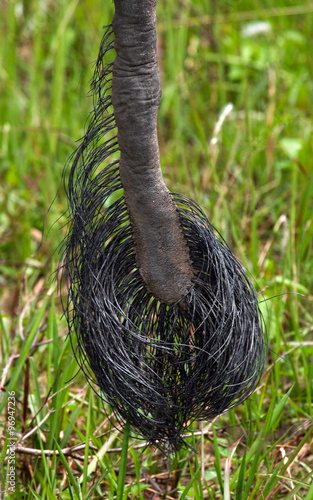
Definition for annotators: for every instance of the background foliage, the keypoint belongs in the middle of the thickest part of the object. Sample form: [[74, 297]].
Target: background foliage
[[255, 182]]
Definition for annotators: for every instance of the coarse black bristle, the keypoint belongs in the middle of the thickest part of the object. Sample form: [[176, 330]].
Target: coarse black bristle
[[159, 367]]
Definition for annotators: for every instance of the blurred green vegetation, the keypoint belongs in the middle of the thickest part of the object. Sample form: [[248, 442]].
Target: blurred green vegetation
[[254, 180]]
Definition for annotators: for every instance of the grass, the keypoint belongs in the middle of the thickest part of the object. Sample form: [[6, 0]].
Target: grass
[[255, 183]]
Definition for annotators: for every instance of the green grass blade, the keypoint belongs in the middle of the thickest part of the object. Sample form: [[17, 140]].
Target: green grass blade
[[123, 463], [190, 484], [25, 351], [217, 463], [70, 474], [241, 478]]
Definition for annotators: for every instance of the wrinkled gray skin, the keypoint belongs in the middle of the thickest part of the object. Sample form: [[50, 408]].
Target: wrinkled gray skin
[[161, 251]]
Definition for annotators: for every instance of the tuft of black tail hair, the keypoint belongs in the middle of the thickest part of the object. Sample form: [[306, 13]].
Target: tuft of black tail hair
[[159, 367]]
